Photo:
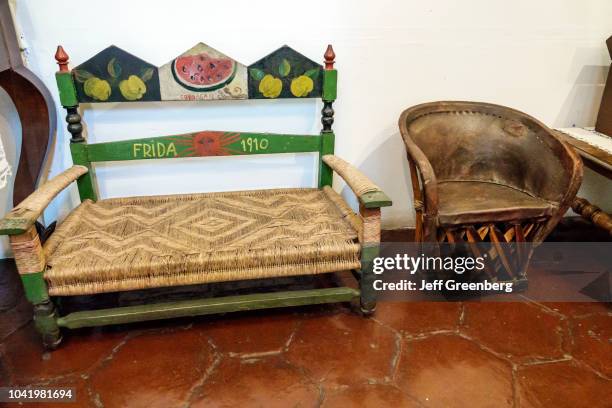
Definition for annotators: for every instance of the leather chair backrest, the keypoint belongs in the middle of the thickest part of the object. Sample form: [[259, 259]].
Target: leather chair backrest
[[485, 142]]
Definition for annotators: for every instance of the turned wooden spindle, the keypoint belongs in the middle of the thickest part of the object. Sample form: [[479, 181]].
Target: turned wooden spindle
[[327, 113], [75, 127], [592, 213], [330, 57], [62, 59], [327, 118]]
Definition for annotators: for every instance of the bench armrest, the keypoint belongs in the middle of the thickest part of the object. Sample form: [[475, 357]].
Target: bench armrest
[[24, 215], [368, 193]]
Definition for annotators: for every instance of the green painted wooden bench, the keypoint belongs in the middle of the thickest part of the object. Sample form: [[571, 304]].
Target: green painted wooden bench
[[142, 243]]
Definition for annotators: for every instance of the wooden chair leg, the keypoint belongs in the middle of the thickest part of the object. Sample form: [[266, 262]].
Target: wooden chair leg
[[495, 239], [418, 230], [507, 247], [473, 241], [520, 241]]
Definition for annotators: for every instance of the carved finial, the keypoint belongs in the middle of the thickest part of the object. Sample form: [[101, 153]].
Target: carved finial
[[62, 59], [330, 56]]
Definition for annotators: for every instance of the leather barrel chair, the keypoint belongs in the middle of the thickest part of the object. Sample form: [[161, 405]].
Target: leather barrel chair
[[487, 173]]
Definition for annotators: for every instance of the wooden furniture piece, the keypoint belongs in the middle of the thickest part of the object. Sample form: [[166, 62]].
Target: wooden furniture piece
[[486, 173], [595, 148], [37, 117], [110, 245], [588, 144], [604, 116], [35, 107]]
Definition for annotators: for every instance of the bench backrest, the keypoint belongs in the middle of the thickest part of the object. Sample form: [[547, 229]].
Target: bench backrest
[[200, 73]]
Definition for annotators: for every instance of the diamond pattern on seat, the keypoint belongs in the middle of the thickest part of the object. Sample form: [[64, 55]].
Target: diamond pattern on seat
[[146, 242]]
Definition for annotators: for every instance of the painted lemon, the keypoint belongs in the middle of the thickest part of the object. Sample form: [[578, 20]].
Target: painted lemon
[[270, 87], [132, 88], [97, 88], [301, 86]]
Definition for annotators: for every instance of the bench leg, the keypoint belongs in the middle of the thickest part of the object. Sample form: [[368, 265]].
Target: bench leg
[[45, 320], [30, 261], [369, 237], [45, 314], [366, 281]]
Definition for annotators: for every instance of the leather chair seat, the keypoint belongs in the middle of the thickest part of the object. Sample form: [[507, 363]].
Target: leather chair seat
[[466, 202]]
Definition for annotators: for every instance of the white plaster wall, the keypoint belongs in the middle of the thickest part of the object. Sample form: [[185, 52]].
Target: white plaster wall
[[545, 57], [10, 134]]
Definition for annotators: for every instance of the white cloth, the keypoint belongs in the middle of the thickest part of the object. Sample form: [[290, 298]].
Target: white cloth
[[590, 136], [5, 168]]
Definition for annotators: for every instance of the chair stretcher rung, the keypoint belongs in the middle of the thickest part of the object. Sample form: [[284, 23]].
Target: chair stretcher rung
[[197, 307]]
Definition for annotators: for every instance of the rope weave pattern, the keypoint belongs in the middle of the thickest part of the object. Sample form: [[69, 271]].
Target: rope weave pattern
[[28, 252], [370, 234], [145, 242], [32, 207], [347, 212], [358, 182]]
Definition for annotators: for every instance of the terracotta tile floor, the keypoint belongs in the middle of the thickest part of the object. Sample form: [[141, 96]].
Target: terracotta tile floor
[[408, 355]]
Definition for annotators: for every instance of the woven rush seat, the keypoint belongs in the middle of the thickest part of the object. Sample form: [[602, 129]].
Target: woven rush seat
[[463, 202], [145, 242]]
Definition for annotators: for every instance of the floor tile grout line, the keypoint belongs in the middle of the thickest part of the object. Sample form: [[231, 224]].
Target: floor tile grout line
[[517, 359], [430, 333], [98, 365], [57, 379], [462, 313], [543, 306], [586, 365], [485, 348], [297, 327], [407, 394], [514, 359], [544, 362], [301, 370], [94, 397], [513, 376], [322, 395], [199, 385], [255, 356], [395, 358], [260, 354]]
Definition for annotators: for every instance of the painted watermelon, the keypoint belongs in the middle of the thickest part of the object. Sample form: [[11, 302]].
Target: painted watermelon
[[202, 73]]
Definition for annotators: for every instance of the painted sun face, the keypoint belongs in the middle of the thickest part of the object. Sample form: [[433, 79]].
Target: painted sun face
[[206, 144], [209, 143]]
